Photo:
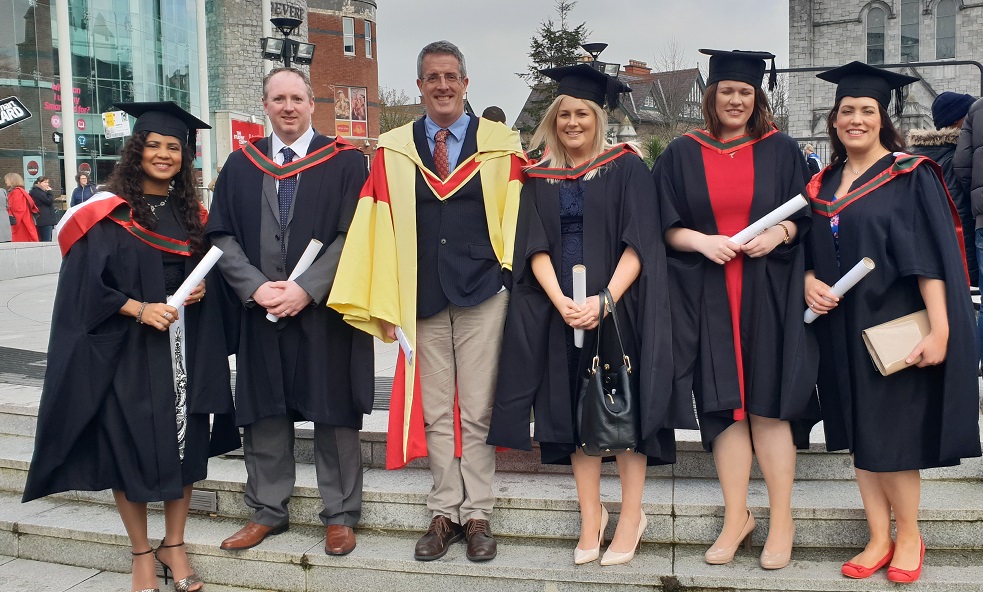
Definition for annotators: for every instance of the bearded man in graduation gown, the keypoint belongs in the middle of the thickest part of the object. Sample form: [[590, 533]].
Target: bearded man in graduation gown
[[272, 199], [428, 254]]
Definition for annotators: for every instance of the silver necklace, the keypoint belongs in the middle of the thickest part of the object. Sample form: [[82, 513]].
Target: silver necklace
[[154, 206]]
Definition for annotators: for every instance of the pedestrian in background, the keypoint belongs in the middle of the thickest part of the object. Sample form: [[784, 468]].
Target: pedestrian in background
[[948, 112], [967, 163], [84, 190], [812, 160], [20, 210], [4, 219], [44, 199]]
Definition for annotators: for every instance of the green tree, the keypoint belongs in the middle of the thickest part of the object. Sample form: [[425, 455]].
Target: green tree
[[653, 148], [392, 112], [555, 44]]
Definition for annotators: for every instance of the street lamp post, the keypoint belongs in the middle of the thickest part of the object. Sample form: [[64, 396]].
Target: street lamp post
[[287, 49]]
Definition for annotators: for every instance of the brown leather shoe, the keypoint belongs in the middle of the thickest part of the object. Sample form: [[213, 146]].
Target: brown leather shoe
[[339, 539], [481, 543], [251, 535], [440, 536]]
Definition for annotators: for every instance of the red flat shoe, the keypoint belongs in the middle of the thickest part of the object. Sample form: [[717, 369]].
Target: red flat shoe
[[860, 572], [904, 576]]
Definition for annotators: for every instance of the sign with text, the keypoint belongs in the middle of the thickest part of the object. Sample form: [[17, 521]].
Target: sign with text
[[33, 168], [12, 111], [350, 112], [116, 124], [243, 131]]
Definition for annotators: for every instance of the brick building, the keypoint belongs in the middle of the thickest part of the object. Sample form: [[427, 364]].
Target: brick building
[[345, 72], [828, 33]]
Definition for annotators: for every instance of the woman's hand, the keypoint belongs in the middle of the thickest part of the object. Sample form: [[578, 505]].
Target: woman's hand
[[580, 316], [196, 295], [158, 315], [765, 242], [819, 298], [718, 248], [930, 351]]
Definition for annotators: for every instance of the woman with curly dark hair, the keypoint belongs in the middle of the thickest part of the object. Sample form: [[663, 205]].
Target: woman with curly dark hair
[[126, 404]]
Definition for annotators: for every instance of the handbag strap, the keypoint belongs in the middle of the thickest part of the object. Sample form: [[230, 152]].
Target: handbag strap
[[607, 300]]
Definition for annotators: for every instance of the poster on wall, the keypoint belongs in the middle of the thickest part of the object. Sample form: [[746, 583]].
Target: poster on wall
[[350, 112], [33, 168], [12, 111], [243, 131]]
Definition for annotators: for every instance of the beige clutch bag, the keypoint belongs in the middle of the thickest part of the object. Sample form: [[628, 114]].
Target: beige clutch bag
[[889, 343]]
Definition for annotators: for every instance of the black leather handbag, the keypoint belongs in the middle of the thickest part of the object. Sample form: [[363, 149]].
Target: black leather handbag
[[607, 408]]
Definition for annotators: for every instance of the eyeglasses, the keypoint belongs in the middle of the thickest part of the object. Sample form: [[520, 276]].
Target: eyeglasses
[[449, 78]]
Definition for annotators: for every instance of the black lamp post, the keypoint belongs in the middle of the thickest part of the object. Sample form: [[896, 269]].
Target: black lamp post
[[287, 49], [595, 49]]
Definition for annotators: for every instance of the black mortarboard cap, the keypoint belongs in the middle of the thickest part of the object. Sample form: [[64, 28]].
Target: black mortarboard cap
[[740, 65], [857, 79], [165, 118], [583, 81]]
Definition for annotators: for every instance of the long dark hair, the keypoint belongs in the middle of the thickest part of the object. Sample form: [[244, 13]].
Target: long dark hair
[[126, 181], [889, 136], [759, 124]]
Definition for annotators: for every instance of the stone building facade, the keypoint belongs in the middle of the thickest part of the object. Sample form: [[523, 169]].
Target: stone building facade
[[829, 33]]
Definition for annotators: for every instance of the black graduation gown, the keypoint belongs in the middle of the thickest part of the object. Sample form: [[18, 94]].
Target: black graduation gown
[[619, 211], [106, 416], [313, 366], [919, 417], [779, 358]]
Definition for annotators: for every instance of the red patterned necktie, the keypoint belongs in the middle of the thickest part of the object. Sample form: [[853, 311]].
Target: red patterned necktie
[[440, 158]]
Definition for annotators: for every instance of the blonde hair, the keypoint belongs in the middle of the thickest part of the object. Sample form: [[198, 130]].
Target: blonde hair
[[555, 154], [13, 180]]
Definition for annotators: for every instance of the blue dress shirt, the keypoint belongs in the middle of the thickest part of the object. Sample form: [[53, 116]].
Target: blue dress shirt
[[454, 140]]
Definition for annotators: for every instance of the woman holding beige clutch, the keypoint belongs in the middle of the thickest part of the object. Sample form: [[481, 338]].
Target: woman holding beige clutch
[[874, 201]]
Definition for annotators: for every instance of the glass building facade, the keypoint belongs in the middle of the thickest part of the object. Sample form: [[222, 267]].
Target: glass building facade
[[121, 50]]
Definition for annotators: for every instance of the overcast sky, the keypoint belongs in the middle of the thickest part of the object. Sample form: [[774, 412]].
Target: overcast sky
[[494, 36]]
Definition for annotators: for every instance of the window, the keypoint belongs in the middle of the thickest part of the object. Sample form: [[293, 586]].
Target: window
[[368, 39], [945, 29], [649, 101], [909, 30], [875, 36], [348, 24]]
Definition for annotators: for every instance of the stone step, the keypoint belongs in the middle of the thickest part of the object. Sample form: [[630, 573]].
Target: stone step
[[680, 509], [91, 536], [26, 574]]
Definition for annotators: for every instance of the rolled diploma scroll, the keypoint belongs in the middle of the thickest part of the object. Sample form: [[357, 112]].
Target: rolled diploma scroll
[[770, 219], [857, 273], [580, 297], [404, 344], [310, 253], [197, 274]]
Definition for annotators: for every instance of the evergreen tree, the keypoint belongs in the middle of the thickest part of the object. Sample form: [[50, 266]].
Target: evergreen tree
[[553, 45]]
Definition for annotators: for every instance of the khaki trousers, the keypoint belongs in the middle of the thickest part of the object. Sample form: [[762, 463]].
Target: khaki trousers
[[459, 347]]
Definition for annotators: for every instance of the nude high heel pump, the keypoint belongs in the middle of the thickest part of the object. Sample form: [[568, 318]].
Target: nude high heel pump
[[581, 556], [720, 555], [770, 560], [615, 558]]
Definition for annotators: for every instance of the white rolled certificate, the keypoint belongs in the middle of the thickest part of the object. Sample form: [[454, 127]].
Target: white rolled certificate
[[856, 273], [197, 274], [404, 344], [580, 297], [773, 217], [310, 253]]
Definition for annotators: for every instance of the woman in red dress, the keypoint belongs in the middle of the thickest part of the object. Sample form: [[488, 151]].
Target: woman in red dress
[[737, 319]]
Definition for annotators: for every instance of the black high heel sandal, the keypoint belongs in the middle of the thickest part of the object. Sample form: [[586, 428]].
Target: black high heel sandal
[[183, 585], [144, 553]]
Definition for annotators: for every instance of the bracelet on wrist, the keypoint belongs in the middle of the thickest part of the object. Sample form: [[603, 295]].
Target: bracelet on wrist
[[143, 305], [788, 237]]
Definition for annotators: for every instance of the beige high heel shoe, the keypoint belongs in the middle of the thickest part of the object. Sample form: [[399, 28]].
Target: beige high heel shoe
[[615, 558], [720, 555], [770, 560], [581, 556]]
